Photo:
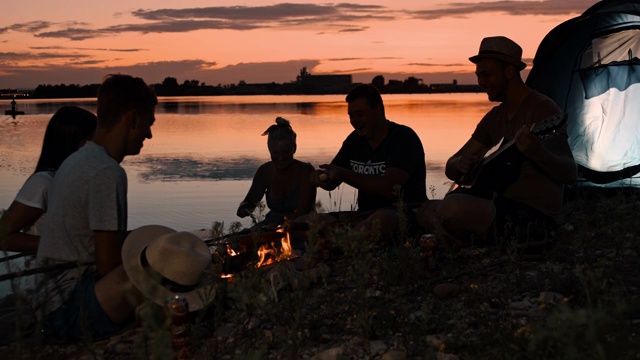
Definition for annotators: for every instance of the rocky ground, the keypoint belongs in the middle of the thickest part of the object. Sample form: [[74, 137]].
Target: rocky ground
[[581, 301]]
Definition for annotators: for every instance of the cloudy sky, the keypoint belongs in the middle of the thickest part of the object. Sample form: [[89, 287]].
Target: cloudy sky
[[226, 41]]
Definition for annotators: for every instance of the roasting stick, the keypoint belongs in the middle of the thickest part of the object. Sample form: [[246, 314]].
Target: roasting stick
[[43, 269]]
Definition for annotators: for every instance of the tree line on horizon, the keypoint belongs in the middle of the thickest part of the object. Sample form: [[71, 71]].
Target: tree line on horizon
[[171, 87]]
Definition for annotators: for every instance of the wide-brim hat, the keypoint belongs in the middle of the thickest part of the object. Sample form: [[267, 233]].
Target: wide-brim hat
[[500, 48], [162, 262]]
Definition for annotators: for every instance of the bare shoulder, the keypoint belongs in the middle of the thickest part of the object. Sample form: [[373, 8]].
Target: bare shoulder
[[305, 166], [264, 169]]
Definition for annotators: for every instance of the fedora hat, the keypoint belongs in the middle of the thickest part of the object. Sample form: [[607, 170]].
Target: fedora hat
[[500, 48], [162, 262]]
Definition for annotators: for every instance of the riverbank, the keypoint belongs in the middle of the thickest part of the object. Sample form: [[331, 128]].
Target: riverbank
[[581, 301]]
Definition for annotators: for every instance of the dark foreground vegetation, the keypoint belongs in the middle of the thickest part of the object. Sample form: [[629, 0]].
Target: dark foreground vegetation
[[582, 301]]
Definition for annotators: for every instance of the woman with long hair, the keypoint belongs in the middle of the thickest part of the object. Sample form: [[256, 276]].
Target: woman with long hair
[[68, 129]]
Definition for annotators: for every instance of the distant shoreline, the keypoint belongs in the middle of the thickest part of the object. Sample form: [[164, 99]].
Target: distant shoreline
[[304, 85]]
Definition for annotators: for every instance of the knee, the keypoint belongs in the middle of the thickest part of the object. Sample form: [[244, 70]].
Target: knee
[[383, 219], [116, 279], [119, 275], [455, 212], [449, 209], [129, 290], [426, 216]]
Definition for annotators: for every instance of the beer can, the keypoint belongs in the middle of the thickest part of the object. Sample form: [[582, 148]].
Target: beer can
[[428, 253], [177, 309]]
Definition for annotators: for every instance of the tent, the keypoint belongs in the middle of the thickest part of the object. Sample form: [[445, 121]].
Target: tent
[[589, 65]]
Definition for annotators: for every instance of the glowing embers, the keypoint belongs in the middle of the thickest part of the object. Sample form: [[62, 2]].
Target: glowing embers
[[253, 250], [230, 251], [270, 254]]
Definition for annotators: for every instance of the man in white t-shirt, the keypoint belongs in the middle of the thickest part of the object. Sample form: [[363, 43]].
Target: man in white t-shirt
[[87, 220]]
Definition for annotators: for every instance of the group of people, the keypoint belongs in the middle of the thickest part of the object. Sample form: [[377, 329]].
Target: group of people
[[513, 199], [384, 160], [81, 187], [72, 214]]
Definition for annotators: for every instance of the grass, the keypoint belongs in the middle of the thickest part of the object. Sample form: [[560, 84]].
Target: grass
[[581, 302]]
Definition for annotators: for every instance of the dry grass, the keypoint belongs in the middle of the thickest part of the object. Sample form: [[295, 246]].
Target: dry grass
[[581, 302]]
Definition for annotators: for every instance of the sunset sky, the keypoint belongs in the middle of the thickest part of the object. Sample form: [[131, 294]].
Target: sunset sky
[[226, 41]]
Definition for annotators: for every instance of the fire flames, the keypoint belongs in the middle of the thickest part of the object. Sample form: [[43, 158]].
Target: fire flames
[[268, 253], [230, 251]]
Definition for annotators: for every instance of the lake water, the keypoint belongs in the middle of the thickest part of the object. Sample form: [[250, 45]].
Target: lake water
[[199, 164]]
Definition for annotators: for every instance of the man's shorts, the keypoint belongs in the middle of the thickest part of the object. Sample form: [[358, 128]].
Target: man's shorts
[[81, 316]]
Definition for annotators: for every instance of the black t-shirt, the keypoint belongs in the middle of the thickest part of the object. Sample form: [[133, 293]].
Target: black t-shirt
[[401, 149]]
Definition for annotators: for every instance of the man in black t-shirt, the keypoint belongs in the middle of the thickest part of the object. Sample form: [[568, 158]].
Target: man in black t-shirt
[[383, 160]]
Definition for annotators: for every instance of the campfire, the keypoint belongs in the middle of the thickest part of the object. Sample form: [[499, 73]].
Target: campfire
[[270, 254], [253, 250]]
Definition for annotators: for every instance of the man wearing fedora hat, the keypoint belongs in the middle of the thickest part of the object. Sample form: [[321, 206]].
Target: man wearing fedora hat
[[534, 195]]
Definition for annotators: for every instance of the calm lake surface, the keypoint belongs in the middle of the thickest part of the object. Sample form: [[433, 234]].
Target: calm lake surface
[[199, 164]]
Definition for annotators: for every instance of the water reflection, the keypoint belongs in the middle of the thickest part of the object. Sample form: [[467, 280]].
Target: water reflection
[[204, 151], [169, 107], [248, 105], [200, 108], [307, 108], [200, 105], [168, 168]]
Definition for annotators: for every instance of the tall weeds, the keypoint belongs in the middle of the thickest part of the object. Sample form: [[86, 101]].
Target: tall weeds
[[374, 292]]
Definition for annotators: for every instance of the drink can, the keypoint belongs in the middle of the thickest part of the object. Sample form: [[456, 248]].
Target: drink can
[[428, 253], [177, 309]]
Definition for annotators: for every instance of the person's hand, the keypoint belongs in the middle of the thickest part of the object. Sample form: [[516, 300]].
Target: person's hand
[[333, 173], [321, 177], [527, 143], [324, 177], [466, 164], [318, 177], [245, 209]]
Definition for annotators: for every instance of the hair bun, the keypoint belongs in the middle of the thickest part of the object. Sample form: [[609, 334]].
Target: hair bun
[[282, 121], [281, 124]]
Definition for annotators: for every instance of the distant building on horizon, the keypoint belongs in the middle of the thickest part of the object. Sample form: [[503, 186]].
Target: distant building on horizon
[[454, 87], [328, 84]]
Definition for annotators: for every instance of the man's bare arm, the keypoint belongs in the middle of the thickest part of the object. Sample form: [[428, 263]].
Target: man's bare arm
[[108, 248], [465, 160]]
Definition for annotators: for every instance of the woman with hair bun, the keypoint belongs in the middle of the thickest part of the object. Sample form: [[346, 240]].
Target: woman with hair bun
[[284, 181]]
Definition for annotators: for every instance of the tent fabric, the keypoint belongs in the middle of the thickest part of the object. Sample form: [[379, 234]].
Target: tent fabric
[[590, 66]]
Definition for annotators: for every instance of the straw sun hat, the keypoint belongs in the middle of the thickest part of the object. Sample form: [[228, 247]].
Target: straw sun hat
[[500, 48], [162, 262]]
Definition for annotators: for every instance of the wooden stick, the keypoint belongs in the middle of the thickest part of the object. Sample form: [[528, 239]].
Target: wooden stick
[[14, 256], [26, 272], [223, 237]]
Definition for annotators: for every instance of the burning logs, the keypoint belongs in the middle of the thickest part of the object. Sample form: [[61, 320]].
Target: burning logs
[[237, 252]]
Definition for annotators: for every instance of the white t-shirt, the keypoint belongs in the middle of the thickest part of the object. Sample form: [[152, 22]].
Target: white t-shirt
[[89, 194], [35, 193]]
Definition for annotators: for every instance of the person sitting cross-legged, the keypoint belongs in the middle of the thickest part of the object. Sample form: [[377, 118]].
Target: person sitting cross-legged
[[514, 196], [383, 160]]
